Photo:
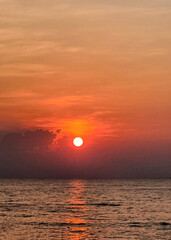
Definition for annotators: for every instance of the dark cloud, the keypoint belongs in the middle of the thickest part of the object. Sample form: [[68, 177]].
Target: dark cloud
[[24, 155], [29, 141]]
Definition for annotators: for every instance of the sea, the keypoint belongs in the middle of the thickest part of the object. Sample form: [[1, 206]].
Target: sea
[[85, 209]]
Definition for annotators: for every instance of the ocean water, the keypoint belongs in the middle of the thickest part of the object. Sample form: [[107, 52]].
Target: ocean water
[[85, 209]]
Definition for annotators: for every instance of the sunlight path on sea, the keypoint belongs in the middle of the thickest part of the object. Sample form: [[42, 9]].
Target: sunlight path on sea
[[85, 209]]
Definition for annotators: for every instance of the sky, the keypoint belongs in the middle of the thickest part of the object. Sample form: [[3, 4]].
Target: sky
[[95, 69]]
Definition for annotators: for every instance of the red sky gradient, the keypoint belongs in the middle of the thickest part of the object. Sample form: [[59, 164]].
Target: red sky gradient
[[95, 69]]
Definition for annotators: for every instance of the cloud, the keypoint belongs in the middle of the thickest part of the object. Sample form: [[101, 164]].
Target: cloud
[[30, 141], [26, 154]]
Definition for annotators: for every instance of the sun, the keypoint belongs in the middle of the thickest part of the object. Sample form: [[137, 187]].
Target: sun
[[78, 142]]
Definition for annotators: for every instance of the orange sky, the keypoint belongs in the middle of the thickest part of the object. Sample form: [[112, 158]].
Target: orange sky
[[93, 68]]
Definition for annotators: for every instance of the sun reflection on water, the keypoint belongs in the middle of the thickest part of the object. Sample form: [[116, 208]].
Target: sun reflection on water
[[78, 211]]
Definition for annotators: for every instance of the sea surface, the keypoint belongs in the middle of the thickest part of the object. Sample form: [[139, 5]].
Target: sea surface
[[85, 209]]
